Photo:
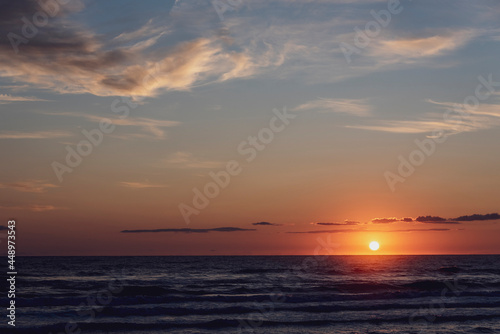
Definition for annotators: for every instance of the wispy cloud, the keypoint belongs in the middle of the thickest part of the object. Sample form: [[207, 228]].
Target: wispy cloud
[[152, 126], [150, 29], [33, 135], [191, 230], [414, 49], [187, 160], [141, 185], [31, 186], [357, 107], [32, 207], [5, 99], [66, 58], [484, 116], [484, 109]]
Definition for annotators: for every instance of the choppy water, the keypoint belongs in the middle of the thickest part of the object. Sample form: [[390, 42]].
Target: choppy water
[[273, 294]]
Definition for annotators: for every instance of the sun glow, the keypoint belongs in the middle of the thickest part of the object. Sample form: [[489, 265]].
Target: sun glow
[[374, 245]]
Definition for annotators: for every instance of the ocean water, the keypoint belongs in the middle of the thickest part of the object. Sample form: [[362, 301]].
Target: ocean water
[[257, 294]]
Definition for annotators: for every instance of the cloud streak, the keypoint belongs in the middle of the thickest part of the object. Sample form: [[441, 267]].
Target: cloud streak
[[187, 160], [357, 107], [266, 224], [141, 185], [191, 230], [32, 207], [478, 217], [30, 186], [6, 99], [345, 223], [34, 135], [152, 126], [376, 231]]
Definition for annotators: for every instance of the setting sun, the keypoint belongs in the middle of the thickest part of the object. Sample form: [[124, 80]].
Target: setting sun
[[374, 245]]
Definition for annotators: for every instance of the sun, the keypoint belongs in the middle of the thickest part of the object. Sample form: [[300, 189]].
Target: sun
[[374, 245]]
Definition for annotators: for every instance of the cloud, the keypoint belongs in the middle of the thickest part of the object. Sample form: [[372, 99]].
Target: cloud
[[153, 126], [477, 217], [410, 50], [141, 185], [459, 108], [345, 223], [187, 160], [67, 57], [266, 224], [357, 107], [147, 30], [428, 125], [422, 230], [191, 230], [32, 207], [454, 119], [430, 219], [5, 99], [33, 135], [31, 186], [388, 231], [351, 222], [420, 219], [384, 220]]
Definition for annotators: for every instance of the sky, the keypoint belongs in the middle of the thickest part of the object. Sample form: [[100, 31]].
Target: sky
[[250, 127]]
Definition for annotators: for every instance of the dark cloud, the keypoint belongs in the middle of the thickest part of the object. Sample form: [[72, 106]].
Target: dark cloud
[[351, 222], [346, 223], [44, 47], [330, 224], [389, 231], [266, 224], [327, 231], [474, 217], [384, 220], [191, 230], [441, 222], [422, 230], [427, 219], [408, 220]]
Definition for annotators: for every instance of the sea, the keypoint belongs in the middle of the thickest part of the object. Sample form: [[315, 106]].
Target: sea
[[256, 294]]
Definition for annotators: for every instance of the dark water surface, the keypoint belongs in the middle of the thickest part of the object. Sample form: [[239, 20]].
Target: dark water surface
[[257, 294]]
